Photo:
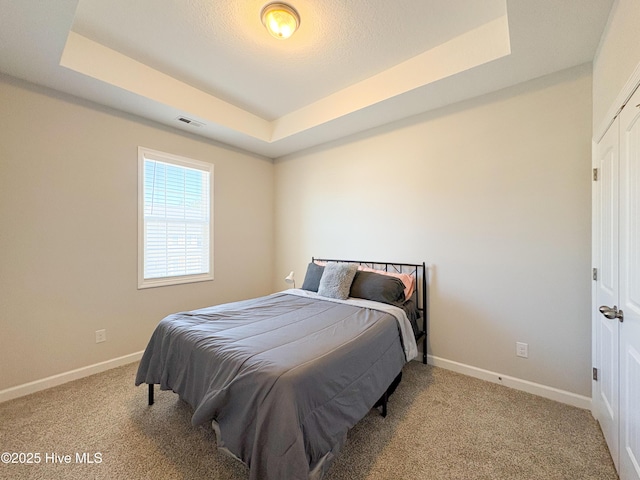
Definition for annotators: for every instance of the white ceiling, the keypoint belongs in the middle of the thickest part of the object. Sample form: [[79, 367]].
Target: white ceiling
[[351, 66]]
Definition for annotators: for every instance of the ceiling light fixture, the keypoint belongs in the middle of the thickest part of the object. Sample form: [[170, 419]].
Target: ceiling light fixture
[[280, 19]]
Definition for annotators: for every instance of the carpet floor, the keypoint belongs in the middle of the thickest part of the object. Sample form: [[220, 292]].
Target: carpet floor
[[441, 425]]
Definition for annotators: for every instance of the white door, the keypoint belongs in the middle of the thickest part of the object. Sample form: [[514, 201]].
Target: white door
[[605, 206], [629, 330]]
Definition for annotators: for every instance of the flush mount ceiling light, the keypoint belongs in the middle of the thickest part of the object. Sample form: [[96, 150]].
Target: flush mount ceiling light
[[280, 19]]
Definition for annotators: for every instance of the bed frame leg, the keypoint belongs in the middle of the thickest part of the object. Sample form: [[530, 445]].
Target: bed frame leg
[[424, 349], [151, 394], [385, 398]]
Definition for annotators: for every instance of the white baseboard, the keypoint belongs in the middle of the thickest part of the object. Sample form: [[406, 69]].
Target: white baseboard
[[556, 394], [551, 393], [55, 380]]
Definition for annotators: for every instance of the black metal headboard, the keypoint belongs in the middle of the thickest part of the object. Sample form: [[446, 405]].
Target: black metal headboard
[[418, 271]]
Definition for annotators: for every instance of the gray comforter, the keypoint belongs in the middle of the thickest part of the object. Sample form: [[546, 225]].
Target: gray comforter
[[282, 377]]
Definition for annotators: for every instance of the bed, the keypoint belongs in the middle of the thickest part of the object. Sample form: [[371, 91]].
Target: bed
[[282, 378]]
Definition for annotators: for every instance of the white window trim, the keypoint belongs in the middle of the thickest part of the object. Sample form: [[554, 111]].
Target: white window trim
[[147, 153]]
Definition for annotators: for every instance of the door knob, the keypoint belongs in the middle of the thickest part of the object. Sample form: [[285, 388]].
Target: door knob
[[612, 313]]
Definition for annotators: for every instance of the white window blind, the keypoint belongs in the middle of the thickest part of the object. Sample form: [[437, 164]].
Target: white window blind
[[175, 223]]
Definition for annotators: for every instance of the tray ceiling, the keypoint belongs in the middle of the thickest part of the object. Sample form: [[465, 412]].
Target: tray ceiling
[[351, 66]]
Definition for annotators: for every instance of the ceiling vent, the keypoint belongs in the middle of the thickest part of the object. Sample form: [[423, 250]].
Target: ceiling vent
[[190, 121]]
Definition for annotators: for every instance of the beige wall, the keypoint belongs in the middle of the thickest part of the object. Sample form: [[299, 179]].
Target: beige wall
[[616, 59], [68, 204], [494, 194]]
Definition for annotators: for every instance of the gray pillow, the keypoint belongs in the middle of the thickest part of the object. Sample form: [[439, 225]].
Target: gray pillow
[[379, 288], [336, 280], [312, 278]]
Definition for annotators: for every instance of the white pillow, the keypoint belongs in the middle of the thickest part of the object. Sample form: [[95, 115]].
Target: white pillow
[[337, 279]]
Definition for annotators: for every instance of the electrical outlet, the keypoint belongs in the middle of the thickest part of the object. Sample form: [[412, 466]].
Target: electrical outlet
[[522, 349], [101, 336]]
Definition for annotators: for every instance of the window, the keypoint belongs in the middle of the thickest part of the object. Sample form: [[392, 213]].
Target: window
[[175, 229]]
